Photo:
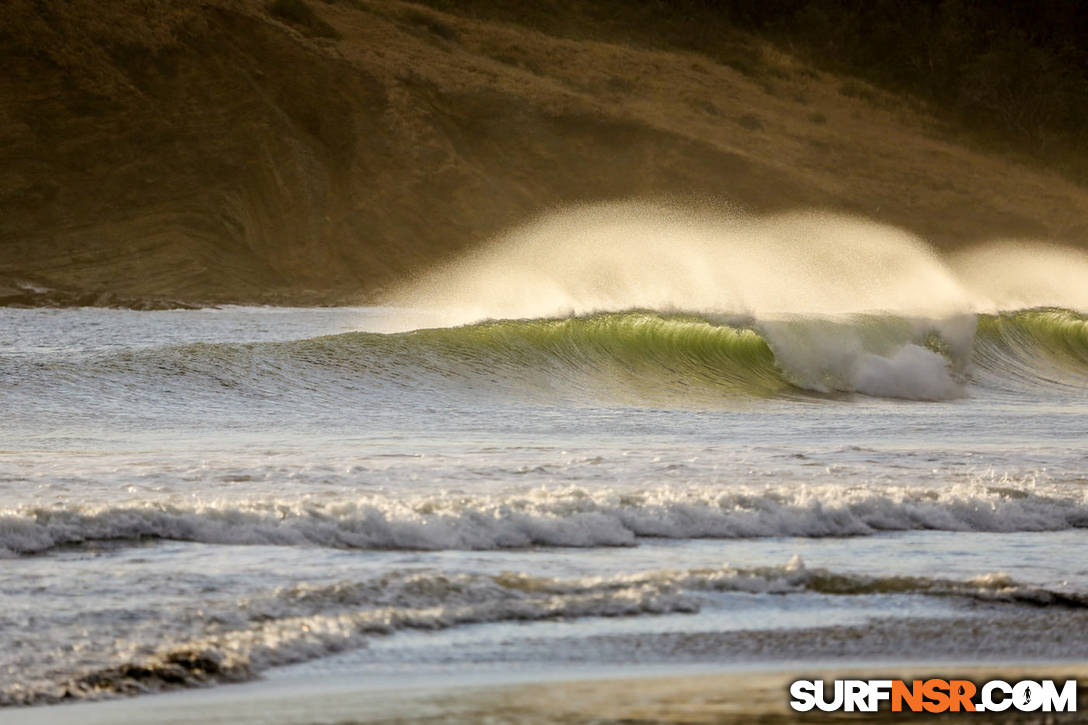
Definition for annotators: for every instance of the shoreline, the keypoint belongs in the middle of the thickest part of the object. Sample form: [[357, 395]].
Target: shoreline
[[647, 694], [33, 293]]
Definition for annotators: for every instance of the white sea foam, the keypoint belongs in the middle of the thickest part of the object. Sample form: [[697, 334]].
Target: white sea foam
[[913, 372], [875, 355], [303, 622], [571, 517]]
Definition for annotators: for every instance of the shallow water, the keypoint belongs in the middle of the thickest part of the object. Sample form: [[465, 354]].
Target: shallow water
[[207, 496]]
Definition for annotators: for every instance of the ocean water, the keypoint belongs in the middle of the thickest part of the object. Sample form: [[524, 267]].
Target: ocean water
[[209, 496]]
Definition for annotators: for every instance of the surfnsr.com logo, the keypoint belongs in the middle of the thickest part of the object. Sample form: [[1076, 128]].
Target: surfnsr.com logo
[[933, 695]]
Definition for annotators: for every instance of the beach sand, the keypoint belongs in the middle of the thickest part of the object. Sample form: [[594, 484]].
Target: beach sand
[[696, 697]]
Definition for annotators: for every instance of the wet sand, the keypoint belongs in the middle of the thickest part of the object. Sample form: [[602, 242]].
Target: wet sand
[[698, 696]]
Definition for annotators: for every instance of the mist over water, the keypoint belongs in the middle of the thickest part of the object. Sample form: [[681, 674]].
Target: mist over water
[[631, 255], [1011, 275], [845, 304], [620, 256]]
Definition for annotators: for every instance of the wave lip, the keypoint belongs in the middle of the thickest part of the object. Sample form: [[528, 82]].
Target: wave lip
[[571, 517], [304, 622], [638, 357]]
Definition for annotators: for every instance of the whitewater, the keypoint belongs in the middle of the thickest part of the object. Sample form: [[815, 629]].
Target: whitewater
[[620, 435]]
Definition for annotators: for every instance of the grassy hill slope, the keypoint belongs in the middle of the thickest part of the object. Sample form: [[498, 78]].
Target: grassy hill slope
[[231, 150]]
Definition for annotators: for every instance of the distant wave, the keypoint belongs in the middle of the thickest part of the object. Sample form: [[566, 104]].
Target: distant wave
[[304, 622], [562, 517], [637, 357]]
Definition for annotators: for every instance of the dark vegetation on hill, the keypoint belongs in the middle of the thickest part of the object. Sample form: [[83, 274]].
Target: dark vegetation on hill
[[1013, 71], [313, 151], [1009, 73]]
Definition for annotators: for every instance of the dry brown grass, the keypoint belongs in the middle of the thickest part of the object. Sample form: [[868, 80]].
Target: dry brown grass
[[213, 151]]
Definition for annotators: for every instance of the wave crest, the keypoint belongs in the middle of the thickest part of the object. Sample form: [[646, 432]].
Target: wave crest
[[634, 357], [557, 517], [303, 622]]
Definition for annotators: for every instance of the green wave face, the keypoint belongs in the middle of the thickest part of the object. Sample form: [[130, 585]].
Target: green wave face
[[637, 357], [1032, 348], [1060, 334], [641, 355], [653, 357], [646, 357]]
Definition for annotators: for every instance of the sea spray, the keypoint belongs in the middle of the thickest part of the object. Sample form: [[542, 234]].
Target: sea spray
[[619, 256]]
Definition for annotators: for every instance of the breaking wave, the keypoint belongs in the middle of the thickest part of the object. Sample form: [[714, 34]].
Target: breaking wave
[[572, 517], [636, 357], [1033, 348], [304, 622]]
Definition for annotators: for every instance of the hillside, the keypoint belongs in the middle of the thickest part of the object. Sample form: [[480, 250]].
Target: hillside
[[233, 150]]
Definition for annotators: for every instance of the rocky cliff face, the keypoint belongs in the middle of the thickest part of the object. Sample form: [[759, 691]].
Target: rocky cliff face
[[229, 150]]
